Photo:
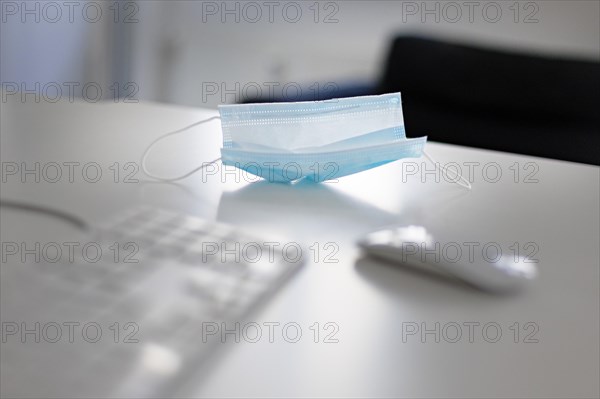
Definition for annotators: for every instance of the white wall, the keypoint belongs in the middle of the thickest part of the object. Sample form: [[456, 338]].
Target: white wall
[[176, 52], [172, 49]]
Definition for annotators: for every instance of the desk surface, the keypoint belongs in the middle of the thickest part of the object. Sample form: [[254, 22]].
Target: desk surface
[[545, 206]]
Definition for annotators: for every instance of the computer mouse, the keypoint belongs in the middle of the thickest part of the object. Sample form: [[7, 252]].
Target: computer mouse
[[474, 263]]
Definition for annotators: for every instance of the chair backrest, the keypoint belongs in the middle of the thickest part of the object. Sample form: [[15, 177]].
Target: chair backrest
[[497, 100]]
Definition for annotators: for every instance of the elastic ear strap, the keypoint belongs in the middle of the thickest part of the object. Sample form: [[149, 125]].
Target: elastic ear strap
[[172, 179], [461, 181]]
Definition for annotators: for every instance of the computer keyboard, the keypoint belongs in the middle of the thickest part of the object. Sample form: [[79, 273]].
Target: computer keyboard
[[161, 275]]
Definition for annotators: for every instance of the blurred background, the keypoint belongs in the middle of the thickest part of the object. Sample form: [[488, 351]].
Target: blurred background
[[449, 59]]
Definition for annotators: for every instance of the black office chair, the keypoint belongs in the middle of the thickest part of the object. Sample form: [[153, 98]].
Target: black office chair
[[497, 100]]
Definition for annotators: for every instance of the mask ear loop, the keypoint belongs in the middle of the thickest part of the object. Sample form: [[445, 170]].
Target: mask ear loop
[[187, 174], [458, 178]]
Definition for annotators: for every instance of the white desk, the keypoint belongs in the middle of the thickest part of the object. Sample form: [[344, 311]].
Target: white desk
[[369, 301]]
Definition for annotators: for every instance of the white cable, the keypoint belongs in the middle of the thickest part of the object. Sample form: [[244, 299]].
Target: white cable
[[172, 179], [69, 217], [461, 180]]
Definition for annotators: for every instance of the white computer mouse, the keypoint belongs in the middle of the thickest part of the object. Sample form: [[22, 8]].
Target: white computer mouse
[[414, 246]]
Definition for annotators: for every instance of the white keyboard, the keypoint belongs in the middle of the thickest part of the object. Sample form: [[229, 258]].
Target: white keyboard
[[161, 275]]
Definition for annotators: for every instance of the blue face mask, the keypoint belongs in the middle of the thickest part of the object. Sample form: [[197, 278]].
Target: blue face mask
[[318, 141], [283, 142]]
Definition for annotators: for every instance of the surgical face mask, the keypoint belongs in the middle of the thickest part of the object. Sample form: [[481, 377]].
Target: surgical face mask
[[318, 141]]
